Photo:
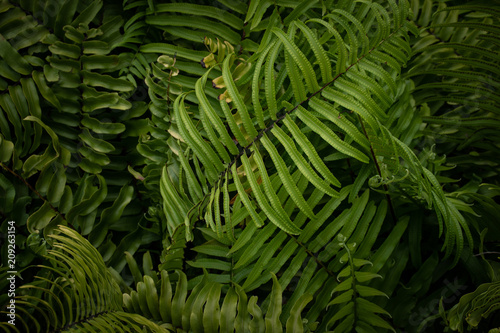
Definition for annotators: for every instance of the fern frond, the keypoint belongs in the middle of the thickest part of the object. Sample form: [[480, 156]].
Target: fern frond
[[357, 312], [199, 310], [308, 119], [67, 295]]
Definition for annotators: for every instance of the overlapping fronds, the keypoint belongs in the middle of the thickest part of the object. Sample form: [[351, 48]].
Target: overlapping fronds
[[356, 312], [460, 86], [253, 156], [474, 307], [264, 111], [202, 309], [235, 159], [299, 128], [311, 261], [239, 141], [75, 294], [457, 90], [67, 117]]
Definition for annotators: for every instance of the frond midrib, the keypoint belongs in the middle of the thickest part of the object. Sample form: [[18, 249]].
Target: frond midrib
[[276, 122]]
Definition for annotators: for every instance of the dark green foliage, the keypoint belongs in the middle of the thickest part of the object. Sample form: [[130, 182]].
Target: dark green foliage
[[70, 126], [251, 166], [76, 293]]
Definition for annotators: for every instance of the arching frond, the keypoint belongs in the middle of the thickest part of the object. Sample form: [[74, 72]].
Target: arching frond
[[75, 293], [253, 140]]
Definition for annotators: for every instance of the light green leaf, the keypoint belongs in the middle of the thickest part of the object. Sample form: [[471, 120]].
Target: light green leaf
[[300, 59], [286, 178], [329, 136], [245, 199]]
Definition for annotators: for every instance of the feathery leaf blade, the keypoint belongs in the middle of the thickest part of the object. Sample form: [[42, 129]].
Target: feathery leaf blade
[[310, 151], [300, 59], [319, 52], [193, 137], [302, 164], [245, 199], [329, 136], [237, 99], [283, 222], [286, 178]]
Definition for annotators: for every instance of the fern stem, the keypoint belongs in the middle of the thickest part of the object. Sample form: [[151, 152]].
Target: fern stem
[[319, 262], [354, 291], [386, 188]]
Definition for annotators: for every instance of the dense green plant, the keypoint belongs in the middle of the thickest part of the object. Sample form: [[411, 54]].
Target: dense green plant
[[280, 164], [70, 123]]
